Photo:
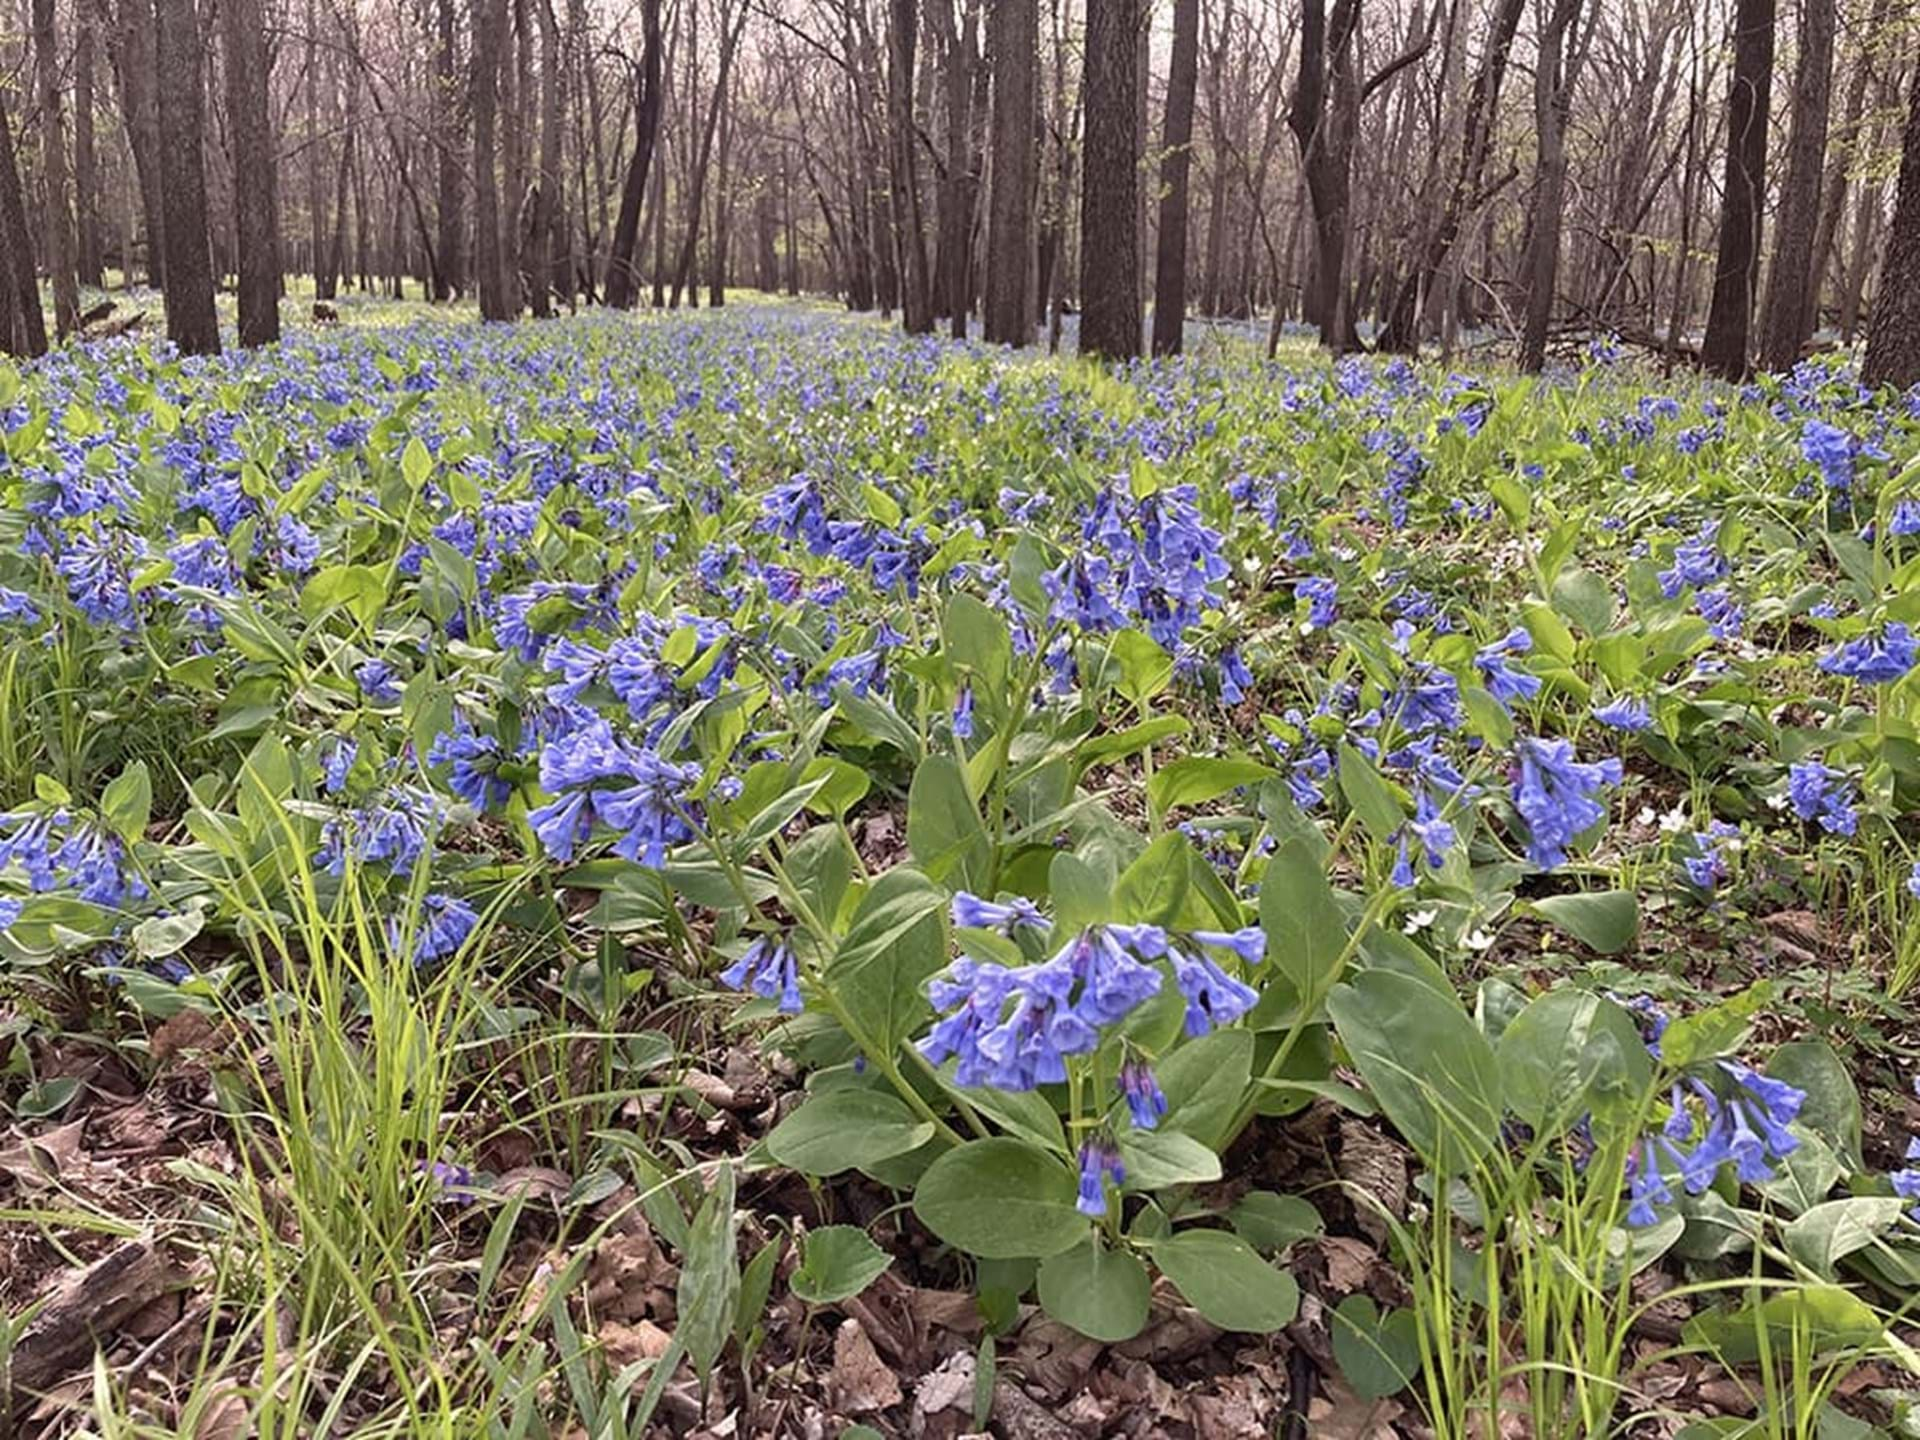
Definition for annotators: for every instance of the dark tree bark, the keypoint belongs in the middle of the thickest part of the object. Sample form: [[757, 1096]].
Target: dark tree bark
[[959, 188], [729, 42], [483, 94], [1322, 131], [131, 46], [316, 187], [548, 187], [1849, 138], [916, 297], [56, 199], [1403, 327], [179, 48], [86, 159], [243, 32], [1176, 140], [23, 329], [1014, 42], [1730, 315], [1893, 335], [450, 183], [622, 284], [1792, 286], [1552, 101], [1110, 184]]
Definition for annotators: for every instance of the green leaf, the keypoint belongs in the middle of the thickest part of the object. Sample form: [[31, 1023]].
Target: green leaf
[[943, 826], [416, 463], [837, 1262], [1117, 744], [976, 634], [1158, 1158], [756, 1283], [49, 791], [1198, 779], [895, 942], [1605, 920], [709, 1291], [1002, 1199], [1370, 797], [1225, 1279], [1145, 668], [1080, 896], [1377, 1353], [1549, 631], [1153, 890], [1306, 931], [1271, 1222], [159, 936], [1717, 1030], [127, 802], [1832, 1230], [842, 786], [1204, 1082], [1585, 599], [1823, 1318], [360, 590], [1428, 1064], [846, 1129], [1570, 1052], [1099, 1292], [1832, 1107]]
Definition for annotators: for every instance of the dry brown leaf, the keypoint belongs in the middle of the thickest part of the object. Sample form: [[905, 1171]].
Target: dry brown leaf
[[1339, 1414], [629, 1278], [1349, 1262], [38, 1161], [1052, 1357], [625, 1344], [1377, 1167], [860, 1381], [226, 1416], [1177, 1333]]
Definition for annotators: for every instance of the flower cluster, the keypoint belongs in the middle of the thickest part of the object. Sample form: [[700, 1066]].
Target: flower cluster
[[596, 776], [1555, 795], [768, 969], [1706, 1129], [1878, 660], [58, 850], [1819, 792]]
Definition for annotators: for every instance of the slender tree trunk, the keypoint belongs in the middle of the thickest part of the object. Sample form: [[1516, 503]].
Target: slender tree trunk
[[1552, 100], [86, 160], [916, 299], [1170, 264], [1792, 285], [1893, 335], [57, 198], [243, 34], [1730, 315], [180, 47], [548, 185], [1850, 138], [450, 183], [1110, 184], [1322, 117], [25, 329], [483, 95], [316, 188], [1014, 42], [729, 41], [622, 284]]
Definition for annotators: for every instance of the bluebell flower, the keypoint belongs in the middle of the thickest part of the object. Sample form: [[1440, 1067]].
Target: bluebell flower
[[977, 914], [770, 970], [30, 843], [1646, 1187], [473, 766], [444, 923], [1213, 997], [1626, 713], [99, 575], [1877, 660], [1555, 795], [1235, 678], [1696, 561], [1431, 832], [963, 714], [92, 861], [1906, 1180], [1146, 1102], [377, 682], [1099, 1162], [336, 760], [1819, 792], [1913, 880], [1430, 699], [1322, 599], [18, 607], [1709, 864], [394, 832], [11, 907], [594, 775], [1503, 682]]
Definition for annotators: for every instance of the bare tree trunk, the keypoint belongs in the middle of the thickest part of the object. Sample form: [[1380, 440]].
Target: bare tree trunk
[[683, 276], [549, 186], [1893, 336], [1850, 140], [1014, 42], [86, 160], [1324, 110], [1552, 101], [179, 47], [1724, 351], [1791, 283], [489, 21], [449, 186], [622, 281], [57, 193], [1170, 264], [24, 331], [1110, 183], [243, 33], [916, 297]]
